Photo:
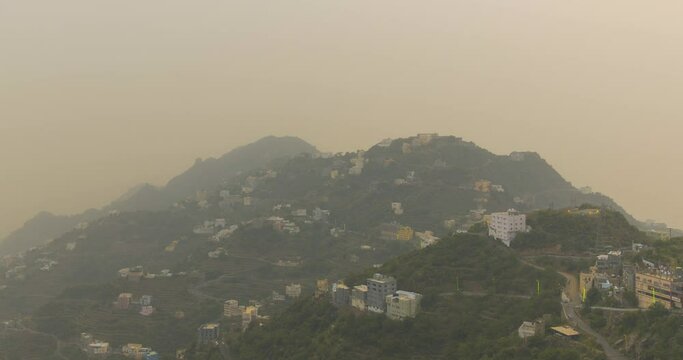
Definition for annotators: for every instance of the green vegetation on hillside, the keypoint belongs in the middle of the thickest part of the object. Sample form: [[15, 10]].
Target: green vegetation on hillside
[[479, 322], [571, 232], [665, 252], [647, 335]]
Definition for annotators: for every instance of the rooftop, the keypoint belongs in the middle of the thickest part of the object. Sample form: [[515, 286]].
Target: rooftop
[[381, 277], [565, 330]]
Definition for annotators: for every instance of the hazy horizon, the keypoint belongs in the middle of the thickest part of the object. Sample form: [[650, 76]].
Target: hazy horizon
[[100, 96]]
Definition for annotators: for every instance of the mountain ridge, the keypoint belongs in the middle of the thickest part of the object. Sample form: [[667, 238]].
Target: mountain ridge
[[46, 225], [525, 173]]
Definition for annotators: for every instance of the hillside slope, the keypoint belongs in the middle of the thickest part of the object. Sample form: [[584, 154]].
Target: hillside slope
[[477, 321], [203, 175], [437, 186]]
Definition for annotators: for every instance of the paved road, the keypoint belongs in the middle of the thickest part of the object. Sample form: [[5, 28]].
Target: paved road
[[571, 299], [612, 309], [569, 309], [483, 293]]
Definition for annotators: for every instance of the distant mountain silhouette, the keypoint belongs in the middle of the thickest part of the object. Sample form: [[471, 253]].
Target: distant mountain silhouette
[[205, 174]]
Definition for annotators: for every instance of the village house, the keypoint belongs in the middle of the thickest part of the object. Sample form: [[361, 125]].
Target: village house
[[405, 233], [98, 348], [426, 238], [341, 294], [358, 163], [135, 351], [359, 297], [531, 328], [402, 304], [93, 347], [146, 300], [426, 139], [300, 213], [565, 332], [215, 254], [337, 232], [249, 314], [397, 208], [208, 333], [123, 301], [406, 148], [276, 296], [483, 186], [322, 287], [231, 309], [146, 310], [320, 214], [135, 273], [293, 290]]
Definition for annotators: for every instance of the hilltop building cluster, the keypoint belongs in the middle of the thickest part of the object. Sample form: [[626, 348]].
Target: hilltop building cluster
[[92, 346], [125, 301], [139, 352], [137, 273], [652, 283], [218, 229], [290, 226], [247, 313], [378, 295], [395, 231]]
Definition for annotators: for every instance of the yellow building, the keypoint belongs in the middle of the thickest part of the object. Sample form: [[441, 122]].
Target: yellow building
[[406, 233], [171, 247], [135, 351], [482, 186], [662, 235], [322, 287], [658, 286]]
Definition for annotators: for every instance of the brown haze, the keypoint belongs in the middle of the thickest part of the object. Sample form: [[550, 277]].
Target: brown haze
[[99, 95]]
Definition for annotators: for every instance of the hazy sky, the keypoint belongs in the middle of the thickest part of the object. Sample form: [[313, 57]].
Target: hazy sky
[[99, 95]]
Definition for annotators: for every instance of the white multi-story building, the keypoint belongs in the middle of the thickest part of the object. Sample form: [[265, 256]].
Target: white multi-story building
[[504, 226]]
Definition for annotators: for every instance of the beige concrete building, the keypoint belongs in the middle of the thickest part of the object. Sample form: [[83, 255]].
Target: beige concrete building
[[359, 297], [231, 308], [659, 286], [293, 290], [403, 304]]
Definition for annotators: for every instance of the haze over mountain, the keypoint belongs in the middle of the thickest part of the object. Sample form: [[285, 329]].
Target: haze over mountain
[[532, 179], [205, 174], [312, 216], [98, 96]]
